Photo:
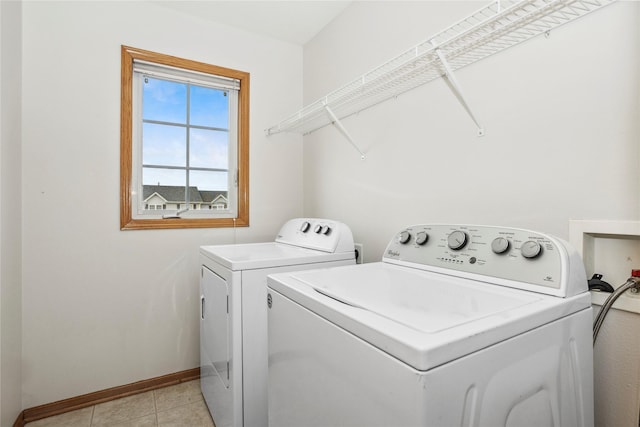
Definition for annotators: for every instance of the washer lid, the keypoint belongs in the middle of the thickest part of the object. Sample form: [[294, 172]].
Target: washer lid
[[270, 254], [423, 318]]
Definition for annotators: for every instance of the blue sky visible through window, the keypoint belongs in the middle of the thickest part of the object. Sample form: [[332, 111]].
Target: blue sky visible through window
[[165, 143]]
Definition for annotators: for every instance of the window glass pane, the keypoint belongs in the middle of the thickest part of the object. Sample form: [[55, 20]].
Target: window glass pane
[[164, 145], [209, 149], [209, 107], [214, 200], [163, 189], [209, 181], [164, 177], [164, 100]]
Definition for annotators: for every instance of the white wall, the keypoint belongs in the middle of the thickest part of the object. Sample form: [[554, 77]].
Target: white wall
[[10, 213], [561, 116], [104, 307]]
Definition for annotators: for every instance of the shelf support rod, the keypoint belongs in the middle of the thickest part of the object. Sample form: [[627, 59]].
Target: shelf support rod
[[456, 87], [343, 131]]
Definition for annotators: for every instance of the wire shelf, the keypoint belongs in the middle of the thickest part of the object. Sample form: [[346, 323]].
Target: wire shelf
[[497, 26]]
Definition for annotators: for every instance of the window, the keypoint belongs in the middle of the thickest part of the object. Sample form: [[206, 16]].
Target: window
[[184, 149]]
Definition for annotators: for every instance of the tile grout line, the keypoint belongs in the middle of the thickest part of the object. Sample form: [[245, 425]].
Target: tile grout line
[[155, 406], [93, 410]]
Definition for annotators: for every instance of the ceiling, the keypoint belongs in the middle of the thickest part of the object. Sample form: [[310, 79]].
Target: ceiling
[[294, 21]]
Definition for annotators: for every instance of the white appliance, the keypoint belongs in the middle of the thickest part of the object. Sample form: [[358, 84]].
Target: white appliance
[[456, 326], [233, 325]]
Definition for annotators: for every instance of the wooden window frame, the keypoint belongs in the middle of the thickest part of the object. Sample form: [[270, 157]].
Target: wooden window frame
[[127, 222]]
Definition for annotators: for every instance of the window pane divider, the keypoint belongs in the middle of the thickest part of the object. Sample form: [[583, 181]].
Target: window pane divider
[[193, 168], [184, 125]]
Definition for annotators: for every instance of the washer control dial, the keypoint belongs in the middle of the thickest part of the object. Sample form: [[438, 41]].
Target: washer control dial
[[456, 240], [404, 237], [317, 229], [326, 230], [500, 245], [421, 238], [530, 249]]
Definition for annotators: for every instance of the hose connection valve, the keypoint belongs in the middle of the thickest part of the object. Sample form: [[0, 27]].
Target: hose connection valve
[[635, 277]]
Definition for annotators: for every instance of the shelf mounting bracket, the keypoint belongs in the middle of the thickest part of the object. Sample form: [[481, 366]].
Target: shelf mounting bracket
[[457, 89], [338, 124]]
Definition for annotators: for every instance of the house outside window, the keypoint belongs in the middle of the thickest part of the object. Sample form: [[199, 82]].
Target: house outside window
[[184, 143]]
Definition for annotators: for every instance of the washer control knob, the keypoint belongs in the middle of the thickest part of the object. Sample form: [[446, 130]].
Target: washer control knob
[[326, 230], [305, 226], [404, 237], [421, 238], [456, 240], [317, 229], [500, 245], [530, 249]]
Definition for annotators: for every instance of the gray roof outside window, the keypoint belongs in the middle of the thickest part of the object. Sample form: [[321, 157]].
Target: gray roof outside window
[[176, 193]]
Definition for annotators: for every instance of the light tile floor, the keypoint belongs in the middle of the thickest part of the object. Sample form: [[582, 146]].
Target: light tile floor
[[179, 405]]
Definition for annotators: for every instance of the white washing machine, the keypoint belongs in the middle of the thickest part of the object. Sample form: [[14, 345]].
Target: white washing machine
[[456, 326], [233, 325]]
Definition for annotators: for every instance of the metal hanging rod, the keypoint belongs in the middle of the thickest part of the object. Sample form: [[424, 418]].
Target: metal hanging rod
[[497, 26]]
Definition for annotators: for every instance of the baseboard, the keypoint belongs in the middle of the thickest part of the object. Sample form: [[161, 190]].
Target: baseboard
[[90, 399]]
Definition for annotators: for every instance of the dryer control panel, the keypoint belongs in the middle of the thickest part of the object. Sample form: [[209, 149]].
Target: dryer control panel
[[512, 257], [314, 233]]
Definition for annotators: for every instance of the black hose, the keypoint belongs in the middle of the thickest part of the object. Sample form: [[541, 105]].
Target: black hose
[[597, 284]]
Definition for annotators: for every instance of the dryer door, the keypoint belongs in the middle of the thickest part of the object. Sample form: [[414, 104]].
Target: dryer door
[[215, 345], [215, 324]]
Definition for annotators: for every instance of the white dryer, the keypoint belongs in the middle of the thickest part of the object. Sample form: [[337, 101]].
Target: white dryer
[[233, 325], [457, 326]]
